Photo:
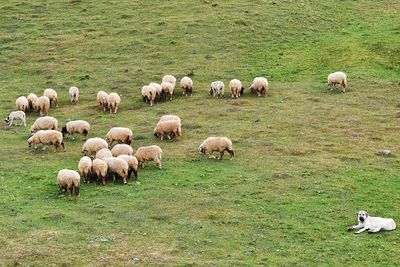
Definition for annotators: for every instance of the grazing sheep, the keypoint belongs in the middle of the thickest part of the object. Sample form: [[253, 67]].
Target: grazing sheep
[[100, 167], [119, 134], [44, 123], [52, 95], [22, 103], [337, 78], [102, 99], [259, 86], [236, 87], [43, 105], [113, 101], [103, 153], [149, 94], [74, 94], [169, 118], [122, 149], [85, 167], [47, 137], [16, 115], [78, 126], [217, 89], [167, 89], [69, 180], [158, 88], [92, 145], [216, 144], [146, 153], [187, 86], [118, 166], [168, 128], [32, 98], [132, 163], [169, 79]]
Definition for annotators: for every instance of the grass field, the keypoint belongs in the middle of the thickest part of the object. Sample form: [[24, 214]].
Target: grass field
[[306, 158]]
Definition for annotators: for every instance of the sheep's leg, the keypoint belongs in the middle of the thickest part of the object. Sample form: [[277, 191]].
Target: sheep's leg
[[103, 180], [211, 156], [24, 120], [158, 162], [221, 154], [12, 119], [115, 110], [78, 194], [70, 189], [135, 174], [142, 164], [231, 153]]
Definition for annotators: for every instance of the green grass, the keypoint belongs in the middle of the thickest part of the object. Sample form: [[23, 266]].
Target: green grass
[[305, 157]]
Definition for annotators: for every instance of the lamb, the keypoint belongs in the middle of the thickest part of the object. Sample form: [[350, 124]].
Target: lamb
[[167, 89], [168, 128], [32, 98], [236, 87], [118, 166], [217, 89], [259, 86], [119, 134], [78, 126], [121, 149], [73, 94], [187, 85], [217, 144], [100, 167], [16, 115], [103, 153], [132, 163], [85, 167], [169, 79], [22, 103], [52, 95], [158, 88], [149, 94], [47, 137], [44, 123], [113, 101], [146, 153], [337, 78], [69, 180], [102, 99], [43, 105], [92, 145]]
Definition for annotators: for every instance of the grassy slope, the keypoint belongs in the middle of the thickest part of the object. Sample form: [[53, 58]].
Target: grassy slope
[[305, 157]]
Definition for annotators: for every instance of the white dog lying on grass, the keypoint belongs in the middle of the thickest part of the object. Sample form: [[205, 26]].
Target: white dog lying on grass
[[372, 224]]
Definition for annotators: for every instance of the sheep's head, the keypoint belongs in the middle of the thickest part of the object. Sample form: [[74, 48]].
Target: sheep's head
[[241, 91], [30, 141], [64, 130], [251, 89], [202, 150]]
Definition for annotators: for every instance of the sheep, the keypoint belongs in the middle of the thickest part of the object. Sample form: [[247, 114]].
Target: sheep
[[236, 87], [259, 86], [170, 79], [168, 128], [85, 167], [102, 99], [44, 123], [92, 145], [22, 103], [167, 89], [337, 78], [132, 163], [118, 166], [113, 101], [119, 134], [32, 98], [158, 88], [169, 118], [78, 126], [43, 105], [52, 95], [149, 94], [47, 137], [100, 167], [146, 153], [217, 89], [103, 153], [122, 149], [69, 180], [16, 115], [73, 94], [217, 144], [187, 86]]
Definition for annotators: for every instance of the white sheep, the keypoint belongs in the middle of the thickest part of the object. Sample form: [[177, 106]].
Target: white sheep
[[102, 99], [259, 86], [169, 118], [149, 94], [74, 94], [168, 128], [337, 78], [158, 88], [44, 123], [32, 98], [236, 87], [92, 145], [121, 149], [132, 163], [69, 180], [100, 167], [147, 153], [22, 103], [78, 126], [16, 115], [113, 101], [103, 153], [167, 89], [43, 105], [119, 134], [47, 137], [118, 166], [169, 79], [220, 144], [187, 86], [217, 89], [85, 167], [52, 95]]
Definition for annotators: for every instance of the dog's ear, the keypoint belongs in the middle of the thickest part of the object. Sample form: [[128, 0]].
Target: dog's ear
[[366, 214]]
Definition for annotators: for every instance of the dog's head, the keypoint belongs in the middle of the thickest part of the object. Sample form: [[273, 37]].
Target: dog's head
[[362, 216], [7, 120]]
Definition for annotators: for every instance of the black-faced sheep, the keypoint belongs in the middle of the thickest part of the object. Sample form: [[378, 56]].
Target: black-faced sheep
[[119, 134], [337, 78], [16, 115], [100, 167], [187, 86], [220, 144], [102, 99], [132, 163], [118, 166], [103, 153], [78, 126], [69, 181], [236, 87], [92, 145], [43, 105], [44, 123], [47, 137], [217, 89], [22, 103], [147, 153], [259, 86], [85, 167], [121, 149], [74, 94], [113, 101], [52, 95]]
